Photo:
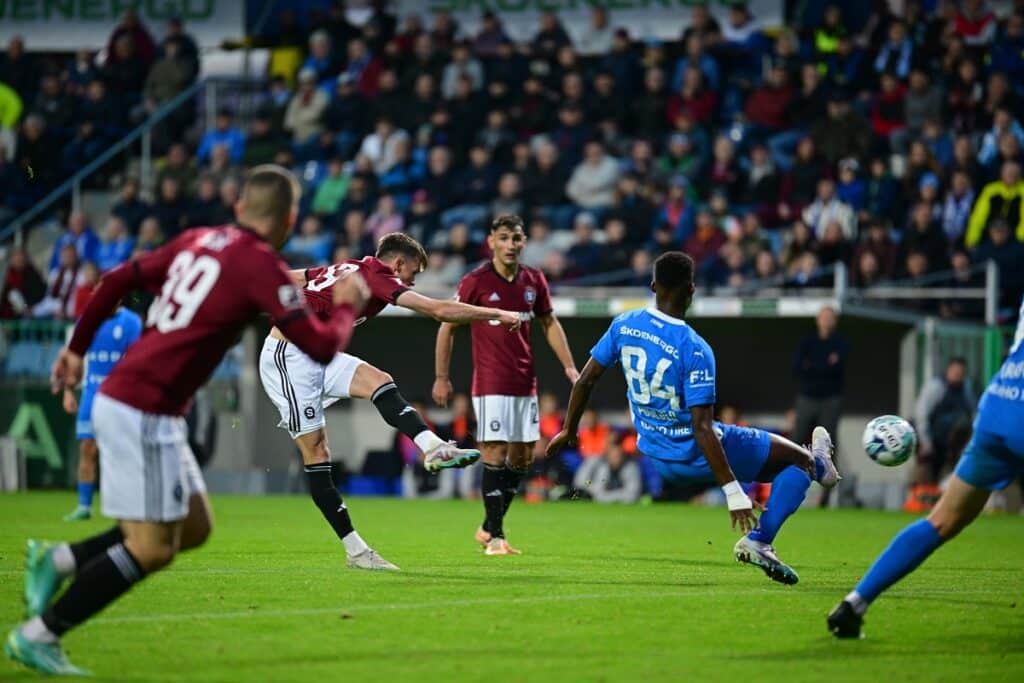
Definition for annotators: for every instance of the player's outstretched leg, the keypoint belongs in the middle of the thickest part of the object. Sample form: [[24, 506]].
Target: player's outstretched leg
[[959, 506], [790, 468], [316, 457], [380, 388], [88, 455]]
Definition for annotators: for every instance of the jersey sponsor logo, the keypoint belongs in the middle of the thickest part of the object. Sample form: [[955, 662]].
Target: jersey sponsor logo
[[647, 336], [494, 297], [530, 295], [701, 378], [1012, 370], [1010, 393], [289, 296]]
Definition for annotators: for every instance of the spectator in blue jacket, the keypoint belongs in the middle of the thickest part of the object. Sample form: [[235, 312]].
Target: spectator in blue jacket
[[224, 133], [80, 236], [117, 245]]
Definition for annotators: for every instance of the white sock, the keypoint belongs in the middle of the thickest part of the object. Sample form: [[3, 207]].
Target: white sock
[[35, 630], [354, 544], [427, 441], [857, 602], [63, 559]]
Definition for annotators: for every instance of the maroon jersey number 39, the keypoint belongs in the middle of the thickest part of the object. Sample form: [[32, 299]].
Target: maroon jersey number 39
[[503, 360]]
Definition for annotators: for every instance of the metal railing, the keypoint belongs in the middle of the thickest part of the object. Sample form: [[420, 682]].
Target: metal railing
[[73, 185]]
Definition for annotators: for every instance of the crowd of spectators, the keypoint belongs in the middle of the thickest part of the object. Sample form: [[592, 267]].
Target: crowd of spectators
[[893, 147]]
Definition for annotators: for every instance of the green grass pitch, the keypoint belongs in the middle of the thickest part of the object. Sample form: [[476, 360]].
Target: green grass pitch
[[602, 593]]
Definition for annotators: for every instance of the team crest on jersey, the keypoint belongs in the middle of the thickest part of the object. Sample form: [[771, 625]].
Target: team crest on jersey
[[531, 295]]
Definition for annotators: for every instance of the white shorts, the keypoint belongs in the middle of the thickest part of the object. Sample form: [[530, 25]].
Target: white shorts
[[300, 388], [512, 419], [149, 472]]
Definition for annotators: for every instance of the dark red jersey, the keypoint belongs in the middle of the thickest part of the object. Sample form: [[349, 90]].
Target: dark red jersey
[[503, 360], [385, 286], [210, 283]]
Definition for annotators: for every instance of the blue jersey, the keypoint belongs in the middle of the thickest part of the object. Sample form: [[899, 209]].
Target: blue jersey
[[113, 338], [669, 368], [1001, 410]]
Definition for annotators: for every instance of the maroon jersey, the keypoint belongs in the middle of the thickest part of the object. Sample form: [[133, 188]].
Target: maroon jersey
[[385, 287], [503, 360], [210, 283]]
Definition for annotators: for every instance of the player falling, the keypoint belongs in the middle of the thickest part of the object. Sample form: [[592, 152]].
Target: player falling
[[113, 338], [504, 382], [670, 384], [992, 460], [301, 387], [210, 283]]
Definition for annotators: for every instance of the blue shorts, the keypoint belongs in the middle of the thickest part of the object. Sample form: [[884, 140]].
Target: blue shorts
[[992, 461], [83, 425], [746, 449]]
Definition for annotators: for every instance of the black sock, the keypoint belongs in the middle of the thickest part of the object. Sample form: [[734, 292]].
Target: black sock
[[326, 496], [103, 580], [94, 546], [510, 486], [397, 412], [494, 499]]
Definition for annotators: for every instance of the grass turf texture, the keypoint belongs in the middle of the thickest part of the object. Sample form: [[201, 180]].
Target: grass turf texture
[[602, 593]]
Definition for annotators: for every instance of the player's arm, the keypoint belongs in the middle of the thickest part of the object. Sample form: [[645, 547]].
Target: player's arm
[[455, 311], [299, 277], [578, 400], [442, 391], [740, 508], [555, 334]]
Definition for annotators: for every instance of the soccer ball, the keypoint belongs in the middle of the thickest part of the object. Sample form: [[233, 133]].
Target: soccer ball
[[889, 440]]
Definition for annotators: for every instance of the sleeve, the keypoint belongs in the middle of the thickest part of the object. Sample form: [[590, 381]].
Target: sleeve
[[466, 291], [147, 272], [542, 305], [605, 351], [699, 381], [387, 287]]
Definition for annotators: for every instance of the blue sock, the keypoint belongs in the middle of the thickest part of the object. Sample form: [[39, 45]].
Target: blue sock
[[85, 491], [788, 491], [908, 550]]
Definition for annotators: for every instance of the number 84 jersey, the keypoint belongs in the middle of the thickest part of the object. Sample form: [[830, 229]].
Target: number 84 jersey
[[668, 369]]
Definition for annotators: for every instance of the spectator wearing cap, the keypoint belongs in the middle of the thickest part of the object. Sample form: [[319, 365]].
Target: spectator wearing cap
[[223, 133], [1001, 201], [592, 183], [303, 117], [827, 208], [897, 52], [844, 133]]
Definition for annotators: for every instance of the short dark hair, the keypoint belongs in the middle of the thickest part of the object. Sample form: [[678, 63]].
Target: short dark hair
[[673, 270], [957, 360], [400, 244], [270, 192], [508, 220]]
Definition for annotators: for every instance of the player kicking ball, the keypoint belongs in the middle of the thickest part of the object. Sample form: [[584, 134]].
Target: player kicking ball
[[210, 283], [504, 382], [114, 337], [670, 384], [993, 459], [300, 387]]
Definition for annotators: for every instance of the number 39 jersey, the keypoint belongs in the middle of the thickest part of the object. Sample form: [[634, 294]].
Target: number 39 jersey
[[210, 283], [668, 368]]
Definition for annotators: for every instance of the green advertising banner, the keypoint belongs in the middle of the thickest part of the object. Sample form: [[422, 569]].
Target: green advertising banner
[[75, 24]]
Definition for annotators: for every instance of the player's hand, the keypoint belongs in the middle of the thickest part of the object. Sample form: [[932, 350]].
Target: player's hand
[[511, 320], [561, 440], [66, 371], [70, 402], [745, 519], [442, 391], [572, 374], [351, 290]]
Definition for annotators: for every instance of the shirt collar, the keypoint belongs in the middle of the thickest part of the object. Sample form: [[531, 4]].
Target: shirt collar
[[665, 316]]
